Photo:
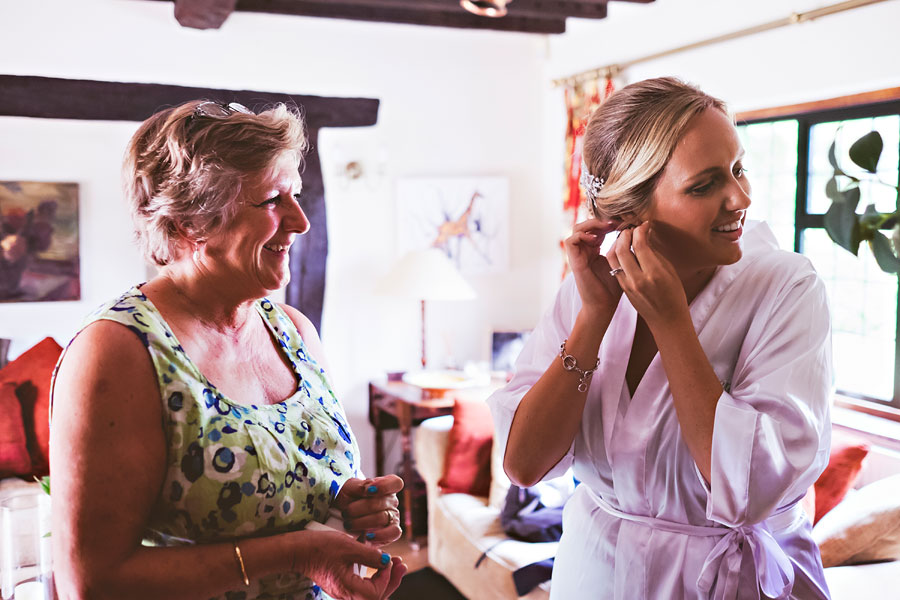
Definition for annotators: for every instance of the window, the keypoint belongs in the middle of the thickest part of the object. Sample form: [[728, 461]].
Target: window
[[788, 167]]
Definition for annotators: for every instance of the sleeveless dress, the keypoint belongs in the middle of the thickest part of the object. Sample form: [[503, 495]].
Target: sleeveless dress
[[236, 470]]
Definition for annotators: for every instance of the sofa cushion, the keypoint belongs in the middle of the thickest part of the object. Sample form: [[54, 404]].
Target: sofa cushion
[[14, 459], [467, 466], [499, 481], [844, 464], [864, 527], [863, 582], [31, 372], [465, 528]]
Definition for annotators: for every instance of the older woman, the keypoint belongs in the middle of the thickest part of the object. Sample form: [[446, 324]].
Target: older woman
[[685, 372], [196, 440]]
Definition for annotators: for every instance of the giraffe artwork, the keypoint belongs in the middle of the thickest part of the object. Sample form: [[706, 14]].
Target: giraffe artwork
[[466, 218]]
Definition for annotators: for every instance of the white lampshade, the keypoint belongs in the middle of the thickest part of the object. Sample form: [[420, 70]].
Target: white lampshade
[[425, 275]]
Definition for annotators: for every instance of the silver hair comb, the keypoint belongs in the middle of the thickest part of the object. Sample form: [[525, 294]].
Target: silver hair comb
[[590, 184]]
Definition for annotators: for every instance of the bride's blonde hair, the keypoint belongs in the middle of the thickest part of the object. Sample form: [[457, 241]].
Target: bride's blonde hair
[[631, 136]]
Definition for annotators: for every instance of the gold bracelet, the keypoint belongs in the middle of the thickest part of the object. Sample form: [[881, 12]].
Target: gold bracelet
[[240, 562]]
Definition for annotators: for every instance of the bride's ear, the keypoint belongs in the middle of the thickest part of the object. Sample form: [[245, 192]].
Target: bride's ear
[[629, 220]]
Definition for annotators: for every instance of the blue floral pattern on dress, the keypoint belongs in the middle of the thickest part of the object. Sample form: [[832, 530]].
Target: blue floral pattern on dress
[[235, 470]]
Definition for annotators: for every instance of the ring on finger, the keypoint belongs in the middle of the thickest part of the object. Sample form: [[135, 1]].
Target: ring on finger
[[616, 271]]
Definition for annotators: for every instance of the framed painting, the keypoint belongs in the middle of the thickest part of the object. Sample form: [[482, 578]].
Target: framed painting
[[465, 217], [39, 241]]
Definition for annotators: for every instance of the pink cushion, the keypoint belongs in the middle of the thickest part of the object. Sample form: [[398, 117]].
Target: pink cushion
[[31, 372], [467, 467], [847, 454], [14, 459]]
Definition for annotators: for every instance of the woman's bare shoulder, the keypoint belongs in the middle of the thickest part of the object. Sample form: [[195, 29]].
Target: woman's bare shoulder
[[104, 360]]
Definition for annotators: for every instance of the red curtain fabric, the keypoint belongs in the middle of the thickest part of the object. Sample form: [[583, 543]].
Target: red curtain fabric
[[581, 100]]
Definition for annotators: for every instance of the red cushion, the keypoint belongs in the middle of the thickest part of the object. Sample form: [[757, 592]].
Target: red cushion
[[847, 454], [467, 467], [14, 459], [31, 372]]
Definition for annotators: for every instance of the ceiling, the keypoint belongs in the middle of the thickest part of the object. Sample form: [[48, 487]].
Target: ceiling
[[531, 16]]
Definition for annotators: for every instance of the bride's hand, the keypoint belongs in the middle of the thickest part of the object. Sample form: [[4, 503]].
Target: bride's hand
[[648, 278], [599, 290]]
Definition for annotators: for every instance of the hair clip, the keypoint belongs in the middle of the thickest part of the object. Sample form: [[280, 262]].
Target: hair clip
[[590, 183]]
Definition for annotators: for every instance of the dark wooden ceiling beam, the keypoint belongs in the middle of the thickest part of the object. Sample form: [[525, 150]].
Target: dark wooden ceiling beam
[[203, 14], [585, 9], [458, 19]]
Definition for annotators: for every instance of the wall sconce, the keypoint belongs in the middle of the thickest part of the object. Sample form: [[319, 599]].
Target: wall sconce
[[485, 8], [351, 170]]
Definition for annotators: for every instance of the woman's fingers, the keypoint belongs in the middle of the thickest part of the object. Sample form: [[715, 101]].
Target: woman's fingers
[[356, 489], [368, 506], [398, 570], [386, 484], [625, 257], [375, 521], [640, 245], [353, 489], [383, 535], [599, 226]]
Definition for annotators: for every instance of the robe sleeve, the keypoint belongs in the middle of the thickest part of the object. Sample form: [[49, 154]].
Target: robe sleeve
[[541, 349], [771, 434]]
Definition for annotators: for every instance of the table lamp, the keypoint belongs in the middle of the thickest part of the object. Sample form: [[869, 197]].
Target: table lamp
[[425, 275]]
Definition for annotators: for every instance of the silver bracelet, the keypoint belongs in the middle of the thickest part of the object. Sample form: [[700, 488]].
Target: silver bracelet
[[570, 363]]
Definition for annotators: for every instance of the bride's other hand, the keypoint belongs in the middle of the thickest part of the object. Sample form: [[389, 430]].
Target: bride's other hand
[[599, 290]]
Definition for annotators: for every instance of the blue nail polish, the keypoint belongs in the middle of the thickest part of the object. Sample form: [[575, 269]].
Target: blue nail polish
[[385, 558], [370, 536], [372, 489]]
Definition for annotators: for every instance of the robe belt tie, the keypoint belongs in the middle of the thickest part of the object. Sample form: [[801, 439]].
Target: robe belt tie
[[722, 567]]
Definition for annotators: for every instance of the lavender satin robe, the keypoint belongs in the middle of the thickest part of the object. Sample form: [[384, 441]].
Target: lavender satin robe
[[645, 524]]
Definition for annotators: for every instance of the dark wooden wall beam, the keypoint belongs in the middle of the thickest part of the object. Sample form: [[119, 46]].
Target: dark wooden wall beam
[[52, 98], [30, 96], [454, 18], [203, 14]]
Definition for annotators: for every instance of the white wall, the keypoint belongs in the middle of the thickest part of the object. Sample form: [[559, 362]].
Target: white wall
[[846, 53], [453, 102]]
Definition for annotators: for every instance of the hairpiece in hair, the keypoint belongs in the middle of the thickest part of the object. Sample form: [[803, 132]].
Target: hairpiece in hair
[[590, 183]]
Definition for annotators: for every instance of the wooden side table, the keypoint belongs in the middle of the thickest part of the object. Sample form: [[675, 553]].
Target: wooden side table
[[398, 405]]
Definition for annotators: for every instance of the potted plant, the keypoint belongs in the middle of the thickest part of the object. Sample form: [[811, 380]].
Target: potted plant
[[844, 225]]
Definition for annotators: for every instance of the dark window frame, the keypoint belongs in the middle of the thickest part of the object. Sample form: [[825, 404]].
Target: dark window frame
[[825, 112]]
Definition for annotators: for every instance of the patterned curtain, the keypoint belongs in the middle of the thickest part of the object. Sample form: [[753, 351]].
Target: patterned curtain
[[581, 100]]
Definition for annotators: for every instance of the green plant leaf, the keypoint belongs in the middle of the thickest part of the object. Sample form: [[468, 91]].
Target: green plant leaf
[[850, 197], [884, 254], [870, 216], [831, 189], [45, 483], [866, 151], [842, 225]]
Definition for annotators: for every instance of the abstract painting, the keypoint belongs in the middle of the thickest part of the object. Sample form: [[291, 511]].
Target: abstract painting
[[465, 217], [39, 241]]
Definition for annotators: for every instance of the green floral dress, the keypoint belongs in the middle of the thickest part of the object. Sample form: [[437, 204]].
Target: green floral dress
[[236, 470]]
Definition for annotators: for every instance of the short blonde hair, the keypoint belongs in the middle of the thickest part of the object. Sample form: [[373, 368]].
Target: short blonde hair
[[184, 168], [631, 136]]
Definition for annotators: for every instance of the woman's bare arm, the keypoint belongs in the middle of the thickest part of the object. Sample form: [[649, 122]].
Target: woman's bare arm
[[550, 413], [108, 457]]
